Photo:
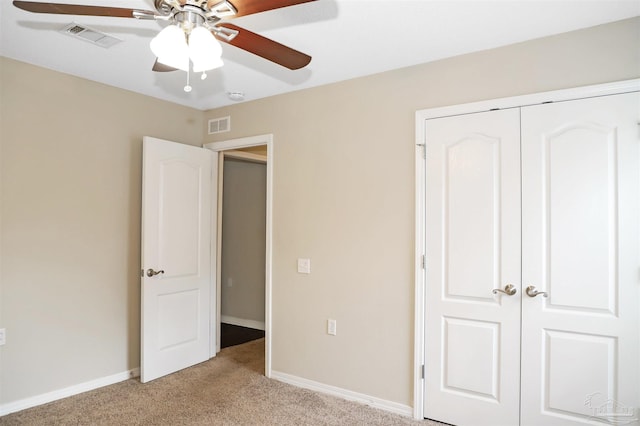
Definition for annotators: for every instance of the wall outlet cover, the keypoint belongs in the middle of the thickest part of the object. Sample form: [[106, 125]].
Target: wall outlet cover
[[304, 266]]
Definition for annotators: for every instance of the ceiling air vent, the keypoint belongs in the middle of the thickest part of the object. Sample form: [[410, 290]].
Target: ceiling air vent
[[85, 33], [219, 125]]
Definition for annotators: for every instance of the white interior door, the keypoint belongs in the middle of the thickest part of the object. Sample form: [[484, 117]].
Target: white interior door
[[176, 257], [472, 334], [581, 190]]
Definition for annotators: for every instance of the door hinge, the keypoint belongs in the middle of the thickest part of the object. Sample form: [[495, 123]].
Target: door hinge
[[424, 262], [424, 150], [422, 371]]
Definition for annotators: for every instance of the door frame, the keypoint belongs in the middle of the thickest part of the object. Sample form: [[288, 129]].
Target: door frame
[[233, 144], [420, 262]]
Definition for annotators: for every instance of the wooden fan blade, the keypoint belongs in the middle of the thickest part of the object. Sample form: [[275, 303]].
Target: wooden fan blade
[[160, 67], [267, 48], [249, 7], [77, 9]]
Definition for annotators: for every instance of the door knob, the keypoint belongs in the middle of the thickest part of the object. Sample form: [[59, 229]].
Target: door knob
[[152, 273], [509, 290], [532, 292]]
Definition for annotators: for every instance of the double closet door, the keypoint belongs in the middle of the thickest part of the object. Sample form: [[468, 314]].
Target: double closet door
[[533, 264]]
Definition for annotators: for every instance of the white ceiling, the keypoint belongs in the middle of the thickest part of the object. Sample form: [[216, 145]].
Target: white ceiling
[[346, 38]]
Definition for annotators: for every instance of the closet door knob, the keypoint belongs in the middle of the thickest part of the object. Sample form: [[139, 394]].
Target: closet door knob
[[509, 290], [532, 292]]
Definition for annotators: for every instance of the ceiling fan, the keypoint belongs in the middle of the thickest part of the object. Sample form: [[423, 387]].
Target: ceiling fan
[[193, 30]]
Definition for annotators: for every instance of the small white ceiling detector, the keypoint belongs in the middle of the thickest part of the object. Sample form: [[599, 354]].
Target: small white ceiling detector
[[236, 96]]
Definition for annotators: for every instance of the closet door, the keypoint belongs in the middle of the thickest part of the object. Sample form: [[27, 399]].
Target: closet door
[[473, 251], [580, 207]]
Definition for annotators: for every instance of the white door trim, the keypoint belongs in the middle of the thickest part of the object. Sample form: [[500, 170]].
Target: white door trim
[[245, 143], [420, 180]]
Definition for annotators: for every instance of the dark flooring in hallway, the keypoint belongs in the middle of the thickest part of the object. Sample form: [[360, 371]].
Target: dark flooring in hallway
[[231, 335]]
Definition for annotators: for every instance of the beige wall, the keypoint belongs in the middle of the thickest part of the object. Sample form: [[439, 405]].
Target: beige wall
[[344, 195], [243, 240], [71, 170]]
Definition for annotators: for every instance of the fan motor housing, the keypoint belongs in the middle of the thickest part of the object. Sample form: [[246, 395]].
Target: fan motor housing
[[162, 7], [191, 13]]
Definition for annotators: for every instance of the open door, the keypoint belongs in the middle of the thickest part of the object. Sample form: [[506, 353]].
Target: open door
[[178, 186]]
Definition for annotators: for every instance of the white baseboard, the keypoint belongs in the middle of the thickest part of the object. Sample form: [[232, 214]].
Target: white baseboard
[[258, 325], [371, 401], [45, 398]]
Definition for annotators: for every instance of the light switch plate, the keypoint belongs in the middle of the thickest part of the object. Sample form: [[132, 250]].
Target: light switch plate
[[331, 327], [304, 266]]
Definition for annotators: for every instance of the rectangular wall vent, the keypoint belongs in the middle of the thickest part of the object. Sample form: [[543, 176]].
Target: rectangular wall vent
[[85, 33], [219, 125]]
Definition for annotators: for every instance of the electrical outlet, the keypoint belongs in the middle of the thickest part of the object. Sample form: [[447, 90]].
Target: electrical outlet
[[331, 327], [304, 266], [3, 336]]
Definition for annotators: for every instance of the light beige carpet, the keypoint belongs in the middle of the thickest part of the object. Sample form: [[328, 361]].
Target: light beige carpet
[[230, 389]]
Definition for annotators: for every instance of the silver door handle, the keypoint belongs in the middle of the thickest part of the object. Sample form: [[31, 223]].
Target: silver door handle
[[152, 273], [509, 290], [532, 292]]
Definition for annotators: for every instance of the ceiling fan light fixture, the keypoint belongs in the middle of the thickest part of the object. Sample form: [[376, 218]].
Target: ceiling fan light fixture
[[201, 20], [170, 46], [209, 64], [169, 36], [177, 62], [204, 50]]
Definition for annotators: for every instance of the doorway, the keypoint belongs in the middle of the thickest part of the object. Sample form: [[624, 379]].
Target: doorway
[[256, 149], [242, 174]]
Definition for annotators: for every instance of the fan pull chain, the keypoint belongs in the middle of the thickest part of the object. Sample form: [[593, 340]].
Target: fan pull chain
[[188, 87]]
